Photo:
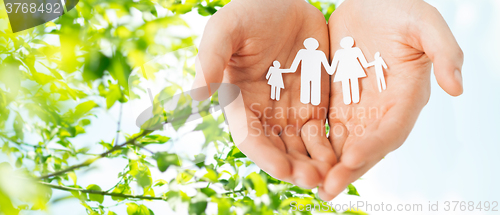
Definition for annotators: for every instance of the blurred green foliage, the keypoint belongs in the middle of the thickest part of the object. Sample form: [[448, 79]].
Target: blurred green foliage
[[55, 77]]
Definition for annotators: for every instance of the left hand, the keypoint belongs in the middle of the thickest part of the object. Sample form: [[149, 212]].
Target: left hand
[[239, 44], [410, 35]]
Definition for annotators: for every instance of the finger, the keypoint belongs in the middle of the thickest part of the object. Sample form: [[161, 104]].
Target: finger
[[360, 153], [325, 196], [442, 48], [321, 167], [273, 135], [337, 136], [259, 148], [383, 136], [314, 136], [305, 174], [215, 51], [339, 177], [292, 140]]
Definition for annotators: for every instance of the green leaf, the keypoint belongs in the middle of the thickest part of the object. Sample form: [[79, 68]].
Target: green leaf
[[79, 195], [120, 69], [236, 153], [223, 205], [259, 185], [199, 160], [315, 4], [83, 108], [160, 182], [6, 205], [197, 208], [113, 95], [111, 213], [231, 183], [208, 191], [95, 65], [95, 197], [206, 11], [141, 173], [165, 160], [185, 176], [18, 127], [134, 209], [352, 190], [211, 176], [122, 189], [154, 139], [19, 162]]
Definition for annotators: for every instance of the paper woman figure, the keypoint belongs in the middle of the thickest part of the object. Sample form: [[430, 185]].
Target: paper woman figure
[[348, 70], [276, 79], [380, 65]]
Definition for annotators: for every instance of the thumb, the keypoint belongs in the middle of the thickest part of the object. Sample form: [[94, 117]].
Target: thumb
[[213, 55], [442, 48]]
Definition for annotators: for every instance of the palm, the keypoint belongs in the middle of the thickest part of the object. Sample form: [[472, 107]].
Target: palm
[[407, 77], [362, 134], [261, 32]]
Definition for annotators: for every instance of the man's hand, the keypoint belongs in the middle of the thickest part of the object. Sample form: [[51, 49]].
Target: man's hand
[[410, 35], [239, 44]]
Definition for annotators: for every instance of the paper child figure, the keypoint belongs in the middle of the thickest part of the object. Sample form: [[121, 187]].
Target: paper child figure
[[380, 65], [276, 79], [346, 65], [312, 59]]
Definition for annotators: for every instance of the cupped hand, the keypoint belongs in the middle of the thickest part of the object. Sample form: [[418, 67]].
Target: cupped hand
[[285, 138], [411, 35]]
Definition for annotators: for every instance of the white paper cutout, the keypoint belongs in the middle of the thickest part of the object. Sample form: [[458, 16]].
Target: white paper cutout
[[380, 65], [312, 59], [276, 79], [345, 64], [348, 70]]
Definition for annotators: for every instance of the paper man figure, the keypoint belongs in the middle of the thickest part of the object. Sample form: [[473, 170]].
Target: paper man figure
[[312, 59], [346, 65], [276, 79], [379, 63]]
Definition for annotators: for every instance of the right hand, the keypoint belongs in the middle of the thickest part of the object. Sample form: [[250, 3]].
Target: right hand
[[238, 46], [411, 35]]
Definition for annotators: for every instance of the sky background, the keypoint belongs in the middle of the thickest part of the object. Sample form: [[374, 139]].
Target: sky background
[[451, 154]]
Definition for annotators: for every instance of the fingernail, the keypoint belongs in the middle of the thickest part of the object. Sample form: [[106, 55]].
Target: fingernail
[[458, 77]]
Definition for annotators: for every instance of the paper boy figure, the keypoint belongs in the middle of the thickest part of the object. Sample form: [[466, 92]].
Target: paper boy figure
[[379, 63], [276, 79]]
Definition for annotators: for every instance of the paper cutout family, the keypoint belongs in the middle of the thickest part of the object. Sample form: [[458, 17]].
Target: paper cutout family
[[345, 64]]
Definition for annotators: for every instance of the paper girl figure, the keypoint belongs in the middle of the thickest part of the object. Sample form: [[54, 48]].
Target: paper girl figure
[[380, 65], [276, 79], [346, 65]]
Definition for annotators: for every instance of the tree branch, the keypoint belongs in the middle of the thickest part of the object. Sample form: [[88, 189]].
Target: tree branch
[[59, 187], [90, 161], [235, 191], [20, 144], [118, 126]]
